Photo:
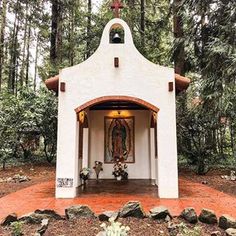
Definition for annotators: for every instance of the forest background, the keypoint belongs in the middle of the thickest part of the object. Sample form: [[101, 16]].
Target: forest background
[[196, 37]]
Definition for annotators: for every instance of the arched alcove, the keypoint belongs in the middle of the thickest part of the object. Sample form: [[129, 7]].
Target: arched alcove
[[117, 29]]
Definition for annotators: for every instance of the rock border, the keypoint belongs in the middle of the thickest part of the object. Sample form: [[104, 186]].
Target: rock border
[[130, 209]]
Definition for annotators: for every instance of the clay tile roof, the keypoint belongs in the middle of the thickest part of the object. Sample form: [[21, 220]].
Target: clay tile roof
[[52, 83], [181, 83]]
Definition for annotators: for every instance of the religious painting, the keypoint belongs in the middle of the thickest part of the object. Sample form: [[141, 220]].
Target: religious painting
[[119, 139]]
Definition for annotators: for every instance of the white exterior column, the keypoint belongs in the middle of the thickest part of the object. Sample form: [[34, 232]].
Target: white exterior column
[[85, 160], [152, 154], [68, 164], [167, 171]]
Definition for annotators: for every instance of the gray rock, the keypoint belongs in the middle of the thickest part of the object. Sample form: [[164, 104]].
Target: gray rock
[[9, 219], [20, 178], [75, 212], [227, 221], [189, 215], [132, 209], [108, 214], [171, 226], [207, 216], [173, 229], [44, 225], [51, 213], [167, 219], [9, 179], [160, 212], [34, 218], [230, 232], [216, 233]]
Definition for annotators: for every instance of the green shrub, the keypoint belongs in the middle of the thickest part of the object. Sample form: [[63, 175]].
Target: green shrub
[[16, 228]]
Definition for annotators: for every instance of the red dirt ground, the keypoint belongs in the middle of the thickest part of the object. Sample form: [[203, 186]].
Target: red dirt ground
[[191, 194], [37, 174], [41, 195]]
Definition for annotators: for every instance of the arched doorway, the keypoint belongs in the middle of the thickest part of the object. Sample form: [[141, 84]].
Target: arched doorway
[[97, 119]]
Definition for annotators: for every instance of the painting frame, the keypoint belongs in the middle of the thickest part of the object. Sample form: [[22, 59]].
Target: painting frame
[[129, 123]]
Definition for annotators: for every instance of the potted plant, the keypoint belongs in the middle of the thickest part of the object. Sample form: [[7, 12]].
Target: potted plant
[[84, 174], [98, 168], [120, 171]]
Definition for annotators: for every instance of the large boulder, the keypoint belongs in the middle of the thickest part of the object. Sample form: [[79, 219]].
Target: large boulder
[[34, 218], [227, 221], [160, 212], [51, 213], [207, 216], [106, 215], [75, 212], [9, 219], [132, 209], [230, 232], [189, 215]]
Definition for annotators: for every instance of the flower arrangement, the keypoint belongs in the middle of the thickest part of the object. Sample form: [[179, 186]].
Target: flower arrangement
[[119, 170], [84, 173]]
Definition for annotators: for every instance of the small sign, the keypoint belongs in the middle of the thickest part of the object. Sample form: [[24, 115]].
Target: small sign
[[63, 86], [116, 62], [171, 86], [64, 182]]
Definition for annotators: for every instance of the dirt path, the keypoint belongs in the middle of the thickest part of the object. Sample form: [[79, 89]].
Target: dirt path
[[37, 174]]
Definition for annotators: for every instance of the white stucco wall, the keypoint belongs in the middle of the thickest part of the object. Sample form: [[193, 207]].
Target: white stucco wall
[[136, 77], [138, 170]]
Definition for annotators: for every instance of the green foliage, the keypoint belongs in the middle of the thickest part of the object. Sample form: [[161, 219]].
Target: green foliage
[[206, 128], [45, 116], [17, 228], [206, 117], [23, 120], [184, 230]]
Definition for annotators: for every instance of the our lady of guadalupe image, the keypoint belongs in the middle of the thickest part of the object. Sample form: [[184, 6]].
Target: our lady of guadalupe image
[[119, 140]]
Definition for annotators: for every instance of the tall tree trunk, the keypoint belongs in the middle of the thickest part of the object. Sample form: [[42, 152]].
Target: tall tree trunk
[[56, 35], [59, 34], [88, 49], [142, 23], [36, 62], [72, 35], [28, 57], [2, 38], [204, 37], [54, 29], [23, 65], [13, 52], [179, 54]]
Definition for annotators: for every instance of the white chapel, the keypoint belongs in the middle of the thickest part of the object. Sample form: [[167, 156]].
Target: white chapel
[[117, 90]]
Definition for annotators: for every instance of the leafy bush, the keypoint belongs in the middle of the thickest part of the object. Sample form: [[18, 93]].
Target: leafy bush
[[24, 120], [17, 228]]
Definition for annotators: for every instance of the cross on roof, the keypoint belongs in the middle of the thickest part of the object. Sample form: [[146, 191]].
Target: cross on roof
[[116, 6]]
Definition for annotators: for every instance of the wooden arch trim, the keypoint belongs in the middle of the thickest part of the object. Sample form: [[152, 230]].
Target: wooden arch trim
[[116, 98]]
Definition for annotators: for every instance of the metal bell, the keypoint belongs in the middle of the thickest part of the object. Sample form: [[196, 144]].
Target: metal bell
[[116, 38]]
